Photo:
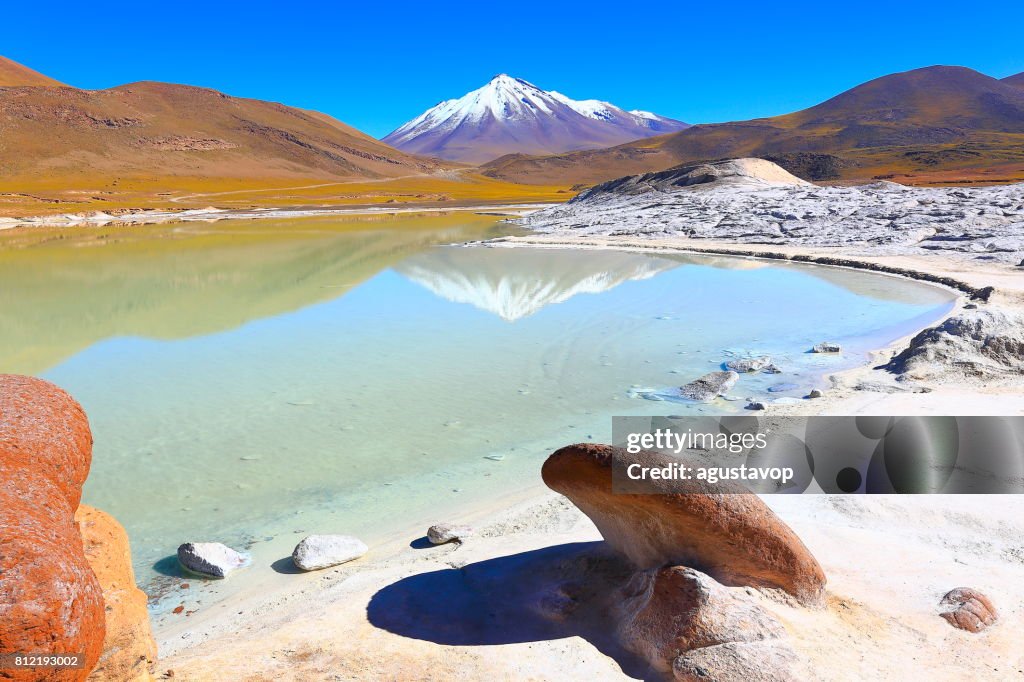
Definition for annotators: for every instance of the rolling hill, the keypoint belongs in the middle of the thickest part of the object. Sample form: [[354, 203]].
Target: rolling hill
[[933, 125], [152, 144], [1015, 80], [510, 115], [13, 74]]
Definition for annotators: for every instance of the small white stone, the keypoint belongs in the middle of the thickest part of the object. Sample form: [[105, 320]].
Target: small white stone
[[323, 551], [211, 559]]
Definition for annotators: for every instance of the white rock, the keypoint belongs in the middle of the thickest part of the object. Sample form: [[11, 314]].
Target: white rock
[[440, 533], [211, 559], [323, 551]]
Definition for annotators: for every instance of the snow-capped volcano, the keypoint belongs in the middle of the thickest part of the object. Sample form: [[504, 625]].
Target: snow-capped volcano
[[510, 115]]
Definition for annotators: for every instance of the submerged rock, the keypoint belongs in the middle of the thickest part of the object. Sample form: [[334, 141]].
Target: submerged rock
[[323, 551], [211, 559], [827, 347], [719, 529], [969, 609], [440, 533], [744, 365], [710, 386]]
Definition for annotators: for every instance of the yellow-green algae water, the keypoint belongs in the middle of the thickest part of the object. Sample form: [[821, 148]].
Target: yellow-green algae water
[[252, 382]]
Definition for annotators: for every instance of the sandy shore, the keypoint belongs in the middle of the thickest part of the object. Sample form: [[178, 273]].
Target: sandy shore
[[417, 612]]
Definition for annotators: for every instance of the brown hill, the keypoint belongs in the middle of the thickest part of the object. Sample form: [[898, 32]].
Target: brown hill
[[937, 124], [153, 144], [1016, 81], [13, 74]]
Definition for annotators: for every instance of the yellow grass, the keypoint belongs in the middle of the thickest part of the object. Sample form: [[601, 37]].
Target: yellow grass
[[53, 195]]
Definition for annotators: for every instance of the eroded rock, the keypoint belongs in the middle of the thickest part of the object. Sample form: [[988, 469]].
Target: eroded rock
[[669, 611], [50, 599], [719, 529], [738, 662], [323, 551], [827, 347], [709, 386], [129, 650], [968, 609], [976, 344]]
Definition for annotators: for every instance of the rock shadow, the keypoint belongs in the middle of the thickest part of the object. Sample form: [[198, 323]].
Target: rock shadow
[[545, 594]]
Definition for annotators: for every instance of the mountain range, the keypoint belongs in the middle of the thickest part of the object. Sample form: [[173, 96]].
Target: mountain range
[[935, 124], [510, 115]]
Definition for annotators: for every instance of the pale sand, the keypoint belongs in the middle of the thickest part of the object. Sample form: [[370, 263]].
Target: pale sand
[[889, 560]]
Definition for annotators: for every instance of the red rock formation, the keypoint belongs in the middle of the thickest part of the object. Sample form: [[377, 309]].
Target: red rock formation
[[129, 651], [50, 599], [968, 609], [715, 528]]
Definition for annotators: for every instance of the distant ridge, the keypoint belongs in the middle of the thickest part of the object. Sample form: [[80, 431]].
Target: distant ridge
[[13, 74], [511, 115], [935, 123], [1016, 80]]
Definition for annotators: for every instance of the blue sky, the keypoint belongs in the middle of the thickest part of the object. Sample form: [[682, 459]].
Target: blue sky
[[376, 65]]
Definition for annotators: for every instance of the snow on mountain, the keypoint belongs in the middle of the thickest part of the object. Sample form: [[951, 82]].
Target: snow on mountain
[[510, 115]]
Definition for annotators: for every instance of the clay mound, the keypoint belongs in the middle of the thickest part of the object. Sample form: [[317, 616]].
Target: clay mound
[[718, 529], [50, 600]]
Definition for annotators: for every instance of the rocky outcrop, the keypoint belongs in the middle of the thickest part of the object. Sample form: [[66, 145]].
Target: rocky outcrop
[[720, 529], [979, 345], [129, 651], [50, 599], [883, 218], [710, 386], [968, 609]]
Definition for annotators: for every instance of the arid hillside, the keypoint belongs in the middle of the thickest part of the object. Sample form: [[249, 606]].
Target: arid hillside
[[933, 125], [150, 144]]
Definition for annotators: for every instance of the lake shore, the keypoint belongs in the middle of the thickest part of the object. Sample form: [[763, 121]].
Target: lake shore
[[132, 218], [889, 560]]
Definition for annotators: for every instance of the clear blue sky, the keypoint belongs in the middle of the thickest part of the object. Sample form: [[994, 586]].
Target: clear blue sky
[[375, 65]]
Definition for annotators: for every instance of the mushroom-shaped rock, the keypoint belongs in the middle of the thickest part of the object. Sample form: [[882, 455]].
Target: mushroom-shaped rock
[[720, 529], [968, 609], [666, 612], [211, 559], [50, 600], [323, 551]]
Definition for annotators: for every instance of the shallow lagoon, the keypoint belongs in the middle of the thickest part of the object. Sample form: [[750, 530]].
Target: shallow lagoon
[[250, 382]]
